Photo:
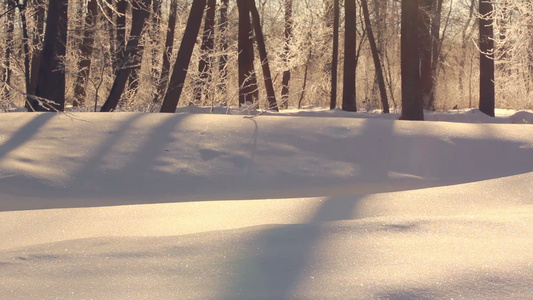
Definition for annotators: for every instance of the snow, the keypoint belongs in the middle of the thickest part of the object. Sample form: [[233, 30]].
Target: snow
[[306, 204]]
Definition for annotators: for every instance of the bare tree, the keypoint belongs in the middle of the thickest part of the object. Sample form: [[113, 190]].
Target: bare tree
[[412, 104], [335, 55], [169, 45], [486, 58], [86, 50], [223, 58], [248, 92], [260, 39], [51, 84], [348, 94], [207, 49], [285, 90], [179, 73], [376, 58], [140, 13]]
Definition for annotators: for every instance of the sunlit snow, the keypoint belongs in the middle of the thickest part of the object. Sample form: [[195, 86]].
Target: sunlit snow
[[307, 204]]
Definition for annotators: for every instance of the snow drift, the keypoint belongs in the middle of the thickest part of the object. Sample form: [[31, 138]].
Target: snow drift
[[266, 207]]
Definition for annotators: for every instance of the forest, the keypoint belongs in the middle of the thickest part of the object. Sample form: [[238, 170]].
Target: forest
[[155, 55]]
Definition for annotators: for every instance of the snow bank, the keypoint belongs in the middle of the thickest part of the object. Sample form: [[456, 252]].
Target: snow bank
[[271, 207]]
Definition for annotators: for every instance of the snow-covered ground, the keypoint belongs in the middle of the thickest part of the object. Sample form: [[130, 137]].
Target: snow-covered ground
[[295, 205]]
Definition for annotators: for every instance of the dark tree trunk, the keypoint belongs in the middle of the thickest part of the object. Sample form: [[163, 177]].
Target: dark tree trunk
[[111, 31], [435, 49], [36, 42], [169, 46], [179, 73], [207, 48], [154, 36], [139, 16], [86, 50], [120, 35], [412, 104], [486, 62], [285, 89], [223, 59], [375, 56], [350, 48], [248, 92], [9, 45], [51, 84], [335, 55], [259, 37], [426, 74]]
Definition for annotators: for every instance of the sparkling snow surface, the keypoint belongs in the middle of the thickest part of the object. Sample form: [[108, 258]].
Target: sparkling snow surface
[[302, 205]]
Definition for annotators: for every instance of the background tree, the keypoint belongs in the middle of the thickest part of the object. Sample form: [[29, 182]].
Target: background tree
[[167, 53], [412, 104], [260, 39], [248, 92], [285, 90], [375, 57], [51, 84], [207, 50], [86, 50], [486, 58], [139, 15], [179, 73], [335, 55], [348, 94]]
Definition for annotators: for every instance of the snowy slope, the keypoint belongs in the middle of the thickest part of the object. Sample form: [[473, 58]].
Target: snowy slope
[[271, 207]]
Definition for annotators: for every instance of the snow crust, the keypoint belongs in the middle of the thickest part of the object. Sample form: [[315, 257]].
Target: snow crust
[[294, 206]]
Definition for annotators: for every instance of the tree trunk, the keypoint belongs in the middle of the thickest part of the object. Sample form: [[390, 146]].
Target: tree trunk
[[169, 46], [285, 90], [51, 85], [9, 45], [350, 48], [223, 59], [424, 29], [412, 104], [375, 56], [248, 92], [120, 35], [271, 94], [86, 50], [486, 61], [139, 16], [179, 73], [335, 55], [207, 48], [435, 51], [155, 36], [39, 17]]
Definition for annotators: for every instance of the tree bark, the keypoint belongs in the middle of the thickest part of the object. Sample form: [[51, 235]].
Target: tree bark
[[285, 90], [9, 45], [424, 29], [486, 59], [335, 55], [39, 18], [139, 16], [207, 48], [261, 47], [86, 50], [169, 46], [51, 85], [350, 48], [412, 104], [223, 59], [120, 35], [179, 73], [376, 58], [248, 92]]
